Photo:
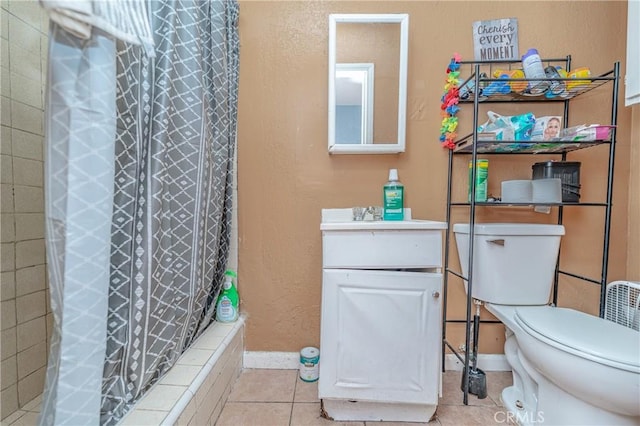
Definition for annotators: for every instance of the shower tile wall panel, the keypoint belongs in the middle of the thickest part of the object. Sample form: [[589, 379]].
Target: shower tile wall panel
[[26, 317]]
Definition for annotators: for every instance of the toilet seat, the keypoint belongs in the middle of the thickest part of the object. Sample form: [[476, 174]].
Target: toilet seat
[[584, 335]]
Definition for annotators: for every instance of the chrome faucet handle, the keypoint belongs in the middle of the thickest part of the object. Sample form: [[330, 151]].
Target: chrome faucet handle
[[359, 213], [366, 213], [376, 212], [369, 211]]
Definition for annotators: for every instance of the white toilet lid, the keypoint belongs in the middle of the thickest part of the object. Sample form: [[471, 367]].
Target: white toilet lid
[[597, 337]]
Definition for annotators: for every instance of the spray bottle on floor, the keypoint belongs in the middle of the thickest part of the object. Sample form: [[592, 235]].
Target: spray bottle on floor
[[227, 304]]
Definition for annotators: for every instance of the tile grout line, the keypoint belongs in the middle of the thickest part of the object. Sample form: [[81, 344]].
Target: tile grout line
[[455, 412], [293, 397]]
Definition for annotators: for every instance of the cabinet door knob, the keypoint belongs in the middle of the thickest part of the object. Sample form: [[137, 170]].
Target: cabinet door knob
[[436, 294]]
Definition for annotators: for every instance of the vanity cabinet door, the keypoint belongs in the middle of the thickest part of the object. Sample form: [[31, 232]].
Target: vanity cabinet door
[[380, 336]]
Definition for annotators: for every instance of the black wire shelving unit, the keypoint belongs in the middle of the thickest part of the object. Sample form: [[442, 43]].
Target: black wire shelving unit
[[471, 145]]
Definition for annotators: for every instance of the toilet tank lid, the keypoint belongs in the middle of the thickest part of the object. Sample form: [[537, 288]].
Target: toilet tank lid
[[585, 333], [510, 229]]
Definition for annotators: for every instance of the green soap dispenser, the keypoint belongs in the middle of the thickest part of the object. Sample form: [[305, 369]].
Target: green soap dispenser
[[227, 305], [393, 198]]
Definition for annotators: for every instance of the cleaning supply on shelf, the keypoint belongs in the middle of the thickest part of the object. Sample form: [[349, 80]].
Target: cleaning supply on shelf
[[482, 175], [393, 197], [590, 132], [533, 69], [469, 88], [556, 87], [515, 86], [576, 84], [563, 74], [227, 305], [501, 86], [514, 127]]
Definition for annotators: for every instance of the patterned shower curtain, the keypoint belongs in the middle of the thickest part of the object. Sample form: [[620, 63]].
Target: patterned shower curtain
[[173, 192], [134, 304], [79, 167]]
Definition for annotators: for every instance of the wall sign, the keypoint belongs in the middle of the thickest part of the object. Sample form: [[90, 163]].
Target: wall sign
[[496, 40]]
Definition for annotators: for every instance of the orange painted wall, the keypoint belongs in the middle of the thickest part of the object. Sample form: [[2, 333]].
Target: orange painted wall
[[286, 176]]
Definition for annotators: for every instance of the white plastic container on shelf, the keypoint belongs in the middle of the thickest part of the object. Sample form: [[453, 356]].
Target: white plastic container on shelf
[[517, 191], [533, 69]]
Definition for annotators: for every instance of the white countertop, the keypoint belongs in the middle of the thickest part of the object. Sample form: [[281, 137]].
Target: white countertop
[[341, 220]]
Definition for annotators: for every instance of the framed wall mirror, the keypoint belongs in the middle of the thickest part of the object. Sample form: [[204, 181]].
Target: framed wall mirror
[[367, 83]]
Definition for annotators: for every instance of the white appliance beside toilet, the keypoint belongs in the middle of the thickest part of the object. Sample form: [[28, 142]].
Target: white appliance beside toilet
[[569, 367]]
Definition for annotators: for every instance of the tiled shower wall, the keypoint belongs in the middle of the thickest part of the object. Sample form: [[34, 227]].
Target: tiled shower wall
[[25, 313]]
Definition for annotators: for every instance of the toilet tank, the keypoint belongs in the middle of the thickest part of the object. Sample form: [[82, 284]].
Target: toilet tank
[[513, 263]]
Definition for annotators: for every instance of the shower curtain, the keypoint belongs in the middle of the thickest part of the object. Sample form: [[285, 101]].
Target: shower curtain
[[139, 193]]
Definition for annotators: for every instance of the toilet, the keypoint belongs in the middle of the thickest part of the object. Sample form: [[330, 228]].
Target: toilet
[[568, 367]]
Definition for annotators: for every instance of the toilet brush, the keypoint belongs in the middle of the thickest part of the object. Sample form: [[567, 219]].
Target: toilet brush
[[477, 377]]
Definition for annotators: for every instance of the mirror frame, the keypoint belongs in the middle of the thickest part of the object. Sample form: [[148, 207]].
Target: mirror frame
[[366, 97], [378, 148]]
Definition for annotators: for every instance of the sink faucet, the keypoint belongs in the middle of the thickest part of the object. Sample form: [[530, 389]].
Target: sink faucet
[[360, 213]]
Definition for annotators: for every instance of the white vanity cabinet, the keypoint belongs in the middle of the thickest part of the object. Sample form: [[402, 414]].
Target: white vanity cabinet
[[381, 319]]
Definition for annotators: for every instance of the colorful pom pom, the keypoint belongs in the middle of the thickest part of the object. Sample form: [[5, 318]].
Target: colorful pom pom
[[449, 107]]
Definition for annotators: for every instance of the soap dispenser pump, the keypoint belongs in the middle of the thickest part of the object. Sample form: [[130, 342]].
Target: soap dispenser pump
[[393, 197]]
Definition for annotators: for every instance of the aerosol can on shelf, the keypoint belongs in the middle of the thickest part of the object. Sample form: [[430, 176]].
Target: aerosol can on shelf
[[228, 300]]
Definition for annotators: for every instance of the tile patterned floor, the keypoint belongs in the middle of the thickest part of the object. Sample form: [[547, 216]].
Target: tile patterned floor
[[280, 398], [26, 416]]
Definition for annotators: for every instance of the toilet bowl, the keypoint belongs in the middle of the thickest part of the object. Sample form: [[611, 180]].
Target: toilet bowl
[[568, 367], [573, 368]]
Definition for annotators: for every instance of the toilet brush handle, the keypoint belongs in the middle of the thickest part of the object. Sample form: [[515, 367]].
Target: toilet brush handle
[[476, 333]]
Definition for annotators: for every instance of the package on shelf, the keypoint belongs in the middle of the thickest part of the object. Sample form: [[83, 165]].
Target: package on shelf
[[514, 127], [583, 132], [546, 128]]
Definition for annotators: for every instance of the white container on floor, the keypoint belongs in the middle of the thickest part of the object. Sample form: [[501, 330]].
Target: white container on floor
[[309, 364]]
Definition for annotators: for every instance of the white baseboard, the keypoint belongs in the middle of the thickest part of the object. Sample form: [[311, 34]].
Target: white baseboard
[[291, 361], [271, 360], [486, 362]]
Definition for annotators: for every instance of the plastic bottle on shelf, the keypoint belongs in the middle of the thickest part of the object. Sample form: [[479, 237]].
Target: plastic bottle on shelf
[[393, 198], [482, 175], [467, 89], [556, 87], [533, 69], [227, 304], [498, 87], [515, 86]]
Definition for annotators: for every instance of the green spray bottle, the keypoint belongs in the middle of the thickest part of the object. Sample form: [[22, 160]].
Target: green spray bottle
[[227, 305]]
